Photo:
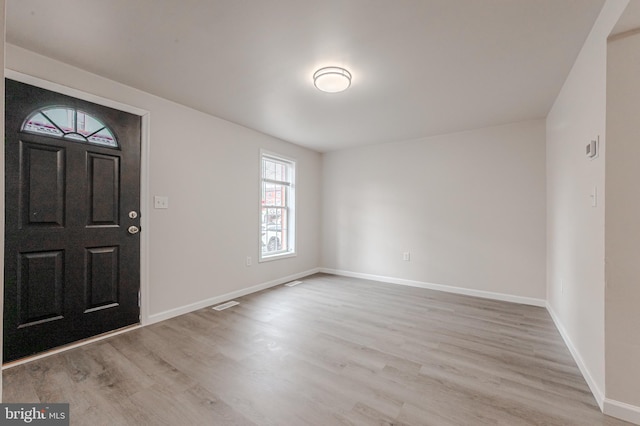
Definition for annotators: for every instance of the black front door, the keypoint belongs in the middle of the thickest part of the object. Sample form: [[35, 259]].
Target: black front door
[[72, 203]]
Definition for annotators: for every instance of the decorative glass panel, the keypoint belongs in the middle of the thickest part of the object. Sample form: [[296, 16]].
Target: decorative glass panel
[[69, 123], [75, 137], [103, 137], [37, 123], [63, 118], [87, 125]]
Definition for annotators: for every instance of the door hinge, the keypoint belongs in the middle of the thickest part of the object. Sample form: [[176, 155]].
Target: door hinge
[[138, 298]]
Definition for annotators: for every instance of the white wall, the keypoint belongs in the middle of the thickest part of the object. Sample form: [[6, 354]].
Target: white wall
[[575, 229], [209, 168], [622, 223], [2, 31], [470, 207]]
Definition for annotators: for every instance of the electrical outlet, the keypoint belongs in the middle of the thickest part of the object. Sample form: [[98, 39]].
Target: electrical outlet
[[248, 261], [406, 256]]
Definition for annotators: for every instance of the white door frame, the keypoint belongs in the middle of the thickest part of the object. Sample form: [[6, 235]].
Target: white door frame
[[144, 169]]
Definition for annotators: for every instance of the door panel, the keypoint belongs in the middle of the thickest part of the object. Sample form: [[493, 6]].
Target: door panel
[[104, 189], [102, 278], [72, 270], [43, 169], [40, 287]]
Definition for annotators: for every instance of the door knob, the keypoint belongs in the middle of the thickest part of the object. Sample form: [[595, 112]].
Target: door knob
[[133, 214], [133, 229]]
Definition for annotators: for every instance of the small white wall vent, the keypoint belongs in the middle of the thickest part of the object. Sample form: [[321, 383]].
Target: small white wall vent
[[226, 305], [293, 283], [593, 148]]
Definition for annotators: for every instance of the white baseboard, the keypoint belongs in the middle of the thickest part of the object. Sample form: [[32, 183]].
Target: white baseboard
[[610, 407], [440, 287], [626, 412], [225, 297], [598, 394]]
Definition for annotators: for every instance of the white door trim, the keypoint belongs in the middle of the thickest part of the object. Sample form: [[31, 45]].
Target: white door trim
[[144, 168]]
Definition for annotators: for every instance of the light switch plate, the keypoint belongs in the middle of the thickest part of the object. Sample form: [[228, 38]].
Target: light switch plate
[[593, 148], [160, 202]]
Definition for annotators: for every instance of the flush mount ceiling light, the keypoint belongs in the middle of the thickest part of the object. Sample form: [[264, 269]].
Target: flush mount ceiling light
[[332, 79]]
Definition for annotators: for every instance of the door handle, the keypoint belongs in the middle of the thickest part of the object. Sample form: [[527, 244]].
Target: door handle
[[133, 229]]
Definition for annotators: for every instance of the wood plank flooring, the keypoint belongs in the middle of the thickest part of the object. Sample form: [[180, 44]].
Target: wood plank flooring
[[330, 351]]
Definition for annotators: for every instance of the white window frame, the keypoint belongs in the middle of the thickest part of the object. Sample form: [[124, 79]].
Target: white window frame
[[291, 208]]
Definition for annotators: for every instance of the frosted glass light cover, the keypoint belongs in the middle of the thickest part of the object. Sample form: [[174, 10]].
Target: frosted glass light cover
[[332, 79]]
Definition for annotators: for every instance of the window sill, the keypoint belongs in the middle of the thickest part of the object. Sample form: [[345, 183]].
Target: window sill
[[276, 257]]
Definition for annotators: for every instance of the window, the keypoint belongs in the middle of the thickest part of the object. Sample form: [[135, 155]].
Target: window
[[277, 207], [69, 123]]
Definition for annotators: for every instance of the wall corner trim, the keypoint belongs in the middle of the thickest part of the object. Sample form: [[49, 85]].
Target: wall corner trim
[[595, 389], [152, 319], [621, 410], [440, 287]]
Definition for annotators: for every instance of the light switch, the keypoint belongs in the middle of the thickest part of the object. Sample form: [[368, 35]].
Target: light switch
[[160, 202]]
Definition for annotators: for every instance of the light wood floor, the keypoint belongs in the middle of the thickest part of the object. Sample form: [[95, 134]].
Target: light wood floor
[[331, 351]]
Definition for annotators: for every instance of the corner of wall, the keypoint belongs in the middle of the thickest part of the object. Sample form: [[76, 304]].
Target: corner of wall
[[622, 235], [575, 229], [597, 392]]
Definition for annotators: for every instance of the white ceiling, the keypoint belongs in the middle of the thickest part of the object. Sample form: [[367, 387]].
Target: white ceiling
[[420, 67]]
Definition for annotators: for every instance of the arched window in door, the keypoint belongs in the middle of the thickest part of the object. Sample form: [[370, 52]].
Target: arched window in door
[[69, 123]]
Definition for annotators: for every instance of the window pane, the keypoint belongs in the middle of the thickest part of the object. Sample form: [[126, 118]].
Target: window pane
[[39, 124], [63, 117], [281, 172], [268, 169], [275, 170], [271, 215], [274, 194], [87, 124], [104, 137], [271, 230]]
